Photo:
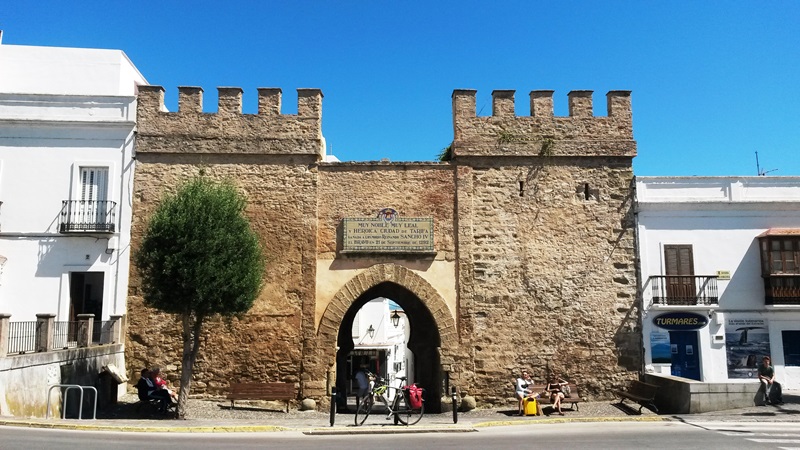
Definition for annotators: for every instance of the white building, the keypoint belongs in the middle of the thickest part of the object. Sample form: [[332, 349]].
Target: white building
[[378, 340], [67, 120], [720, 272]]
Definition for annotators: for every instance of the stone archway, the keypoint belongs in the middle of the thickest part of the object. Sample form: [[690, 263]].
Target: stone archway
[[433, 331]]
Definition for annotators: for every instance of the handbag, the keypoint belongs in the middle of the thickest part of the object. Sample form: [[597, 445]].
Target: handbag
[[566, 390]]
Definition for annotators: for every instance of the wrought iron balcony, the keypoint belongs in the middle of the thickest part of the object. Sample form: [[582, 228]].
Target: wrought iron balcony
[[782, 290], [684, 290], [82, 216]]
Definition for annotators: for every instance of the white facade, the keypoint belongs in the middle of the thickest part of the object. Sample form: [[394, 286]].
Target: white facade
[[710, 226], [67, 120], [373, 331]]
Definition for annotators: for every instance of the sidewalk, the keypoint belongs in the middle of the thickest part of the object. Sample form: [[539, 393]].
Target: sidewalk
[[206, 416]]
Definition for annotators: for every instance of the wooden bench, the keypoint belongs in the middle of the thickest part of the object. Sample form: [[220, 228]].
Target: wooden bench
[[262, 391], [573, 399], [640, 392]]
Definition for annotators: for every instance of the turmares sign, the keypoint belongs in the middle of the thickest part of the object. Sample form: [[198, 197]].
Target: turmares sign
[[680, 321], [387, 233]]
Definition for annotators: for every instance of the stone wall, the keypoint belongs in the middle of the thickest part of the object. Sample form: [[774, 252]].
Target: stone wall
[[546, 251], [534, 262], [274, 167]]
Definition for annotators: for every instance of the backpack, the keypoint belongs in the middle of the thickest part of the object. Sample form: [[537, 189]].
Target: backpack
[[414, 395]]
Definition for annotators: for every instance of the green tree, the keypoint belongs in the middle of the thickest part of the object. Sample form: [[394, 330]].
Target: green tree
[[199, 257]]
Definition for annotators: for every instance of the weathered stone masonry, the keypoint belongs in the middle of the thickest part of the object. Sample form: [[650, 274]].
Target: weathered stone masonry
[[534, 262]]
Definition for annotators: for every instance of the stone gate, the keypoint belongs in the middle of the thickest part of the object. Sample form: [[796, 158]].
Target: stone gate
[[532, 264]]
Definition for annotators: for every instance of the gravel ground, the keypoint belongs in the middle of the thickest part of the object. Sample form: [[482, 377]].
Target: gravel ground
[[258, 411]]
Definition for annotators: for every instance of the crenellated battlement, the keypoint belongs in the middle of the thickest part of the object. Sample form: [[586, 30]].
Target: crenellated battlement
[[190, 130], [543, 134]]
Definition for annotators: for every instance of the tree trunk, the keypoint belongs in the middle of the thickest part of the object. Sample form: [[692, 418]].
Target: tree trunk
[[192, 326]]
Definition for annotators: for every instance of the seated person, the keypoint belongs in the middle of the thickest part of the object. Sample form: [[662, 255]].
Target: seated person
[[554, 388], [772, 389], [523, 388], [160, 383], [144, 386], [147, 390]]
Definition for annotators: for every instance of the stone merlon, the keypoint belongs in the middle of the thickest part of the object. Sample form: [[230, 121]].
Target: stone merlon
[[543, 134], [228, 130]]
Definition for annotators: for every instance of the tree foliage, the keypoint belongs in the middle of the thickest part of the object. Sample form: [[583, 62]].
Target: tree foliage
[[446, 154], [199, 257]]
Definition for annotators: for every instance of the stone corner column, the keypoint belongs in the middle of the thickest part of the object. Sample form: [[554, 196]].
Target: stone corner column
[[85, 325], [114, 335], [45, 328], [4, 325]]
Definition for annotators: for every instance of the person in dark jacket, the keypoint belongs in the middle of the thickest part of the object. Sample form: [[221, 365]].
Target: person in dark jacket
[[146, 390]]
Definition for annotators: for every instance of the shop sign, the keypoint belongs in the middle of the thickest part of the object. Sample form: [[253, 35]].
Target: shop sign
[[680, 321]]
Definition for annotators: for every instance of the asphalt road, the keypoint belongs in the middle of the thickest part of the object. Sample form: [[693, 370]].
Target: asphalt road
[[616, 435]]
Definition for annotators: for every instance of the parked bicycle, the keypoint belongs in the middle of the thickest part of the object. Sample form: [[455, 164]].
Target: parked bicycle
[[406, 407]]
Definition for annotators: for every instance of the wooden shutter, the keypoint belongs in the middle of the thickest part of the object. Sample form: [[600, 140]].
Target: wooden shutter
[[679, 265], [679, 260]]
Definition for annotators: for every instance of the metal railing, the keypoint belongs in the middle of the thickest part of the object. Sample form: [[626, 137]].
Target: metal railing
[[88, 216], [21, 337], [65, 335], [782, 290], [46, 334], [684, 290]]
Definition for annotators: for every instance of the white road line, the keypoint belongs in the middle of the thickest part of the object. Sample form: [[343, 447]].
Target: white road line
[[739, 433]]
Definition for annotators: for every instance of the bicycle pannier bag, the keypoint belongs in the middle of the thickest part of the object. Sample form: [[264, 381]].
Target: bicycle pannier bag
[[414, 396]]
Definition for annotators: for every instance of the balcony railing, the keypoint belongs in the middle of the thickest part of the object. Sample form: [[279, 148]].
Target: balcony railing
[[65, 334], [782, 290], [88, 216], [684, 290], [46, 334], [22, 337]]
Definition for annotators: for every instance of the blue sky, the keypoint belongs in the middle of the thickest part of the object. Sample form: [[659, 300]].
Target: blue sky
[[712, 82]]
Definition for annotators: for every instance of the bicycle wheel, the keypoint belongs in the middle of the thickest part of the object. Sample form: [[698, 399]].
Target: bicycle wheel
[[408, 415], [364, 409]]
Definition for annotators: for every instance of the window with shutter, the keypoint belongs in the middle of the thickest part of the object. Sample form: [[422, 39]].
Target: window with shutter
[[780, 266], [679, 264], [94, 183], [94, 192]]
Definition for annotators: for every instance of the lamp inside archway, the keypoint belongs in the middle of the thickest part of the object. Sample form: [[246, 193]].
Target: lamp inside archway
[[371, 331], [395, 318]]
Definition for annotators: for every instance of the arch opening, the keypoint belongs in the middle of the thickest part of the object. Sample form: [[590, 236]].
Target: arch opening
[[421, 362]]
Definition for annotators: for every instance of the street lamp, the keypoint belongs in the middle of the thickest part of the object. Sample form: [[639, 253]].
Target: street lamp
[[395, 318], [371, 331]]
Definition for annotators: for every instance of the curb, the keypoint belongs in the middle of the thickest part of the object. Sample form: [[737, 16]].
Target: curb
[[147, 429], [388, 430], [317, 431], [571, 420]]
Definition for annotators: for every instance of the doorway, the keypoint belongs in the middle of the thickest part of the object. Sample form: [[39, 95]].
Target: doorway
[[85, 297], [685, 356]]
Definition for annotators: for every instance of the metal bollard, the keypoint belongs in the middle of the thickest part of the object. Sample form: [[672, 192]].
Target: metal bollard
[[454, 397], [333, 405]]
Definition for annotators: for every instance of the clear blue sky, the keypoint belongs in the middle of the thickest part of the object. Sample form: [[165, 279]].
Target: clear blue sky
[[712, 82]]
